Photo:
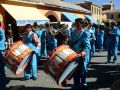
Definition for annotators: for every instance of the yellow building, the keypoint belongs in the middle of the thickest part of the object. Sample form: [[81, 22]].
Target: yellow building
[[51, 9], [95, 9], [111, 13]]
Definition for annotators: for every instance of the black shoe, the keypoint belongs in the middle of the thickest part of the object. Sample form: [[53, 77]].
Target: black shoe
[[27, 78], [115, 62], [107, 62], [84, 88], [34, 78]]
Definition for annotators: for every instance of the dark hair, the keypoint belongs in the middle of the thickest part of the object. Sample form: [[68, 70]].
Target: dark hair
[[28, 25], [85, 23], [47, 25], [113, 24], [107, 24], [101, 27], [79, 20], [0, 23], [34, 24]]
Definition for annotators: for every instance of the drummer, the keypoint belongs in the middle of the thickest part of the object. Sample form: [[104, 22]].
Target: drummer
[[81, 44], [31, 40], [2, 48]]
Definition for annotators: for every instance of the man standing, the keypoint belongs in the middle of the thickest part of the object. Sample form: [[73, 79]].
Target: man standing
[[2, 48], [50, 39], [114, 39], [80, 43], [31, 40], [38, 29], [100, 37]]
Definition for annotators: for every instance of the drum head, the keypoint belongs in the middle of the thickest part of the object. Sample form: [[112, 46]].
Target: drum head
[[23, 64], [68, 71]]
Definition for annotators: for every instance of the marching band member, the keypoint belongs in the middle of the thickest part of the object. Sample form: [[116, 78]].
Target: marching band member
[[50, 39], [81, 44], [42, 37], [31, 40], [100, 37], [61, 35], [87, 27], [114, 39], [2, 48], [92, 38]]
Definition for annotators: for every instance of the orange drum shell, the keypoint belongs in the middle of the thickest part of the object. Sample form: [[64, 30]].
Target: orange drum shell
[[61, 66], [16, 60]]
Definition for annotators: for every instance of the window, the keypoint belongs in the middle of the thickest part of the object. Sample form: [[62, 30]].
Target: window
[[98, 11], [118, 15], [95, 10], [112, 16]]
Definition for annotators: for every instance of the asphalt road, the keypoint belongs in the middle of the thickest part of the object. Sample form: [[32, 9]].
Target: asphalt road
[[101, 76]]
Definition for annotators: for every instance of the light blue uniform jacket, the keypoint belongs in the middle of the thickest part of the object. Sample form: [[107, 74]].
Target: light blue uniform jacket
[[2, 40]]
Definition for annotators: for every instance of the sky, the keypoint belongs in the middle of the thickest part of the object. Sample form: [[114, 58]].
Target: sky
[[99, 2]]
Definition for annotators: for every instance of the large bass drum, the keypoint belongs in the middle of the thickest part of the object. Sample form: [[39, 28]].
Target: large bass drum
[[17, 57], [60, 64]]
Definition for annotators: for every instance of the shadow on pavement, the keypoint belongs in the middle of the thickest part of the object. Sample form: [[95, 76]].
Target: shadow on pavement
[[22, 87], [20, 78], [105, 76], [99, 56]]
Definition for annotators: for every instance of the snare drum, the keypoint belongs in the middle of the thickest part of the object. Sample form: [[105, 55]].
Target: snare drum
[[17, 57], [59, 62]]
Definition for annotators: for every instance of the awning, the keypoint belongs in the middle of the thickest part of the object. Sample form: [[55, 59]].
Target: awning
[[25, 15], [92, 19], [68, 17]]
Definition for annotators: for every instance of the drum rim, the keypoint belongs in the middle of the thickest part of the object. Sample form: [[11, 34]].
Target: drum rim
[[55, 51]]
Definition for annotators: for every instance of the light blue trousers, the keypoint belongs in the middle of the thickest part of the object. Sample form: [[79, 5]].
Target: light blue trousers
[[31, 69], [92, 48]]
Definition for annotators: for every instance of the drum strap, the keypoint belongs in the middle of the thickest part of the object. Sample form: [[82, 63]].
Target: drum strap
[[75, 42]]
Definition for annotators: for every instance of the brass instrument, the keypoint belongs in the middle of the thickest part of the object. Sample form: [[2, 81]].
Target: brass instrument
[[53, 31], [61, 30]]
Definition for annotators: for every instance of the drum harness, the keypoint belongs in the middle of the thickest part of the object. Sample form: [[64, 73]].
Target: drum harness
[[75, 42]]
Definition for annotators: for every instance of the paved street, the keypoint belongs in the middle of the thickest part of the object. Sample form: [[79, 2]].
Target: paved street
[[101, 76]]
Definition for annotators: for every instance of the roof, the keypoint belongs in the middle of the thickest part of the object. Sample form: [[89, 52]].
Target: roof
[[110, 3], [84, 2], [111, 11], [61, 4]]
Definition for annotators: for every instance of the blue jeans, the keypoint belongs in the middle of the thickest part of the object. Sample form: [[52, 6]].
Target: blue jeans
[[100, 45], [31, 66], [112, 50]]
